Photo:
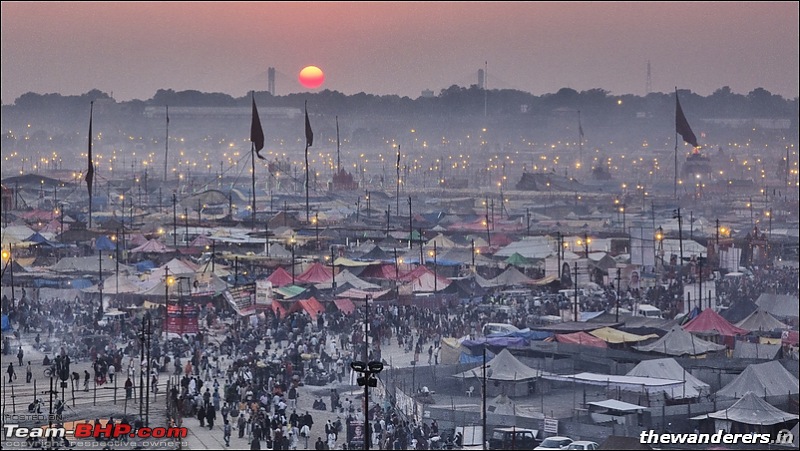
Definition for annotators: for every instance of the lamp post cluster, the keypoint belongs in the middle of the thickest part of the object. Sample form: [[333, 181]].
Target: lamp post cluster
[[369, 371]]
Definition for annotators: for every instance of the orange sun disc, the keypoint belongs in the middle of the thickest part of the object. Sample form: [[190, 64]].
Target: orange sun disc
[[311, 77]]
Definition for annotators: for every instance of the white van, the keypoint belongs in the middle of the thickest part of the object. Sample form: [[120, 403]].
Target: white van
[[649, 311], [498, 328]]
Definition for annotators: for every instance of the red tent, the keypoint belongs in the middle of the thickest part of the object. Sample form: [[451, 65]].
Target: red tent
[[310, 305], [345, 305], [317, 273], [709, 321], [278, 309], [384, 271], [280, 277], [581, 338]]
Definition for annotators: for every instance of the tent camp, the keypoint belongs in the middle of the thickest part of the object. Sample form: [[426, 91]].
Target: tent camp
[[763, 379], [747, 350], [668, 368], [679, 342], [581, 338]]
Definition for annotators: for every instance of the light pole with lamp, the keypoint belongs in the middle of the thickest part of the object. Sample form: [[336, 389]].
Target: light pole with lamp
[[484, 374], [660, 239], [369, 371]]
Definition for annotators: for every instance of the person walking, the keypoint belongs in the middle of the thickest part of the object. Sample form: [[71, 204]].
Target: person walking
[[211, 415], [20, 355], [11, 373], [28, 373], [128, 388], [86, 378], [111, 371], [226, 433]]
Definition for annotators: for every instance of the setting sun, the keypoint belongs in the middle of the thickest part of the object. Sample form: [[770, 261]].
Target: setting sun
[[311, 77]]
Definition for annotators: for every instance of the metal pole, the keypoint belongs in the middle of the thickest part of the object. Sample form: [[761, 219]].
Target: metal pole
[[483, 401]]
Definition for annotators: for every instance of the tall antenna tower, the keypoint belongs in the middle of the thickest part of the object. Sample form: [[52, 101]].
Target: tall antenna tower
[[271, 80], [648, 86], [485, 86]]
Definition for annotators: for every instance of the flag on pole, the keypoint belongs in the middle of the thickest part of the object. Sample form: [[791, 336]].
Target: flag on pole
[[682, 125], [256, 132], [167, 114], [309, 133], [398, 158], [90, 169]]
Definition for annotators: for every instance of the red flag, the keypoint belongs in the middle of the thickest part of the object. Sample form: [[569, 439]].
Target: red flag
[[309, 133], [682, 125], [256, 132], [90, 170]]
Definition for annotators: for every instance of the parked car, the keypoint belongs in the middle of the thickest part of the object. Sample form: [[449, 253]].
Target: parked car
[[583, 445], [554, 443], [513, 438]]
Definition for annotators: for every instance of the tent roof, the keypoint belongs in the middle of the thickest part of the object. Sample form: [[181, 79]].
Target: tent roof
[[670, 369], [761, 320], [152, 246], [280, 277], [613, 404], [763, 379], [316, 273], [709, 321], [751, 409], [780, 305], [747, 350], [345, 305], [679, 342], [346, 276], [511, 276], [505, 367]]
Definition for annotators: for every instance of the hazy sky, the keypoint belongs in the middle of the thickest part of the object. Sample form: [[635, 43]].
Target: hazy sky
[[132, 49]]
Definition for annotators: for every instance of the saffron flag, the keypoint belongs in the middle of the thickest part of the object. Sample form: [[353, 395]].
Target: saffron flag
[[90, 169], [256, 132], [309, 133], [682, 125]]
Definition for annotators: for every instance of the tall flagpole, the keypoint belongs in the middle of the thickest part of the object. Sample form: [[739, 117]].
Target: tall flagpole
[[309, 143], [166, 146], [256, 144], [397, 183], [90, 169], [339, 162], [580, 140], [675, 180]]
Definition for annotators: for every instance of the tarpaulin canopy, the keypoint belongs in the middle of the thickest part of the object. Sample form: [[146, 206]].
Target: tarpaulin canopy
[[581, 338], [310, 306], [346, 276], [611, 335], [709, 321]]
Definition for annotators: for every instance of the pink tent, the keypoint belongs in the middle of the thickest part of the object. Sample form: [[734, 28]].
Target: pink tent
[[200, 241], [280, 277], [581, 338], [709, 321], [317, 273], [384, 271]]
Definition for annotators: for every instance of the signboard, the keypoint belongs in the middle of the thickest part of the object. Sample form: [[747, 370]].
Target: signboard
[[242, 298], [551, 426], [182, 319], [355, 434], [263, 292]]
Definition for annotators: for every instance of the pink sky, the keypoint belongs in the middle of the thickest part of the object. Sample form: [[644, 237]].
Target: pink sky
[[133, 49]]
